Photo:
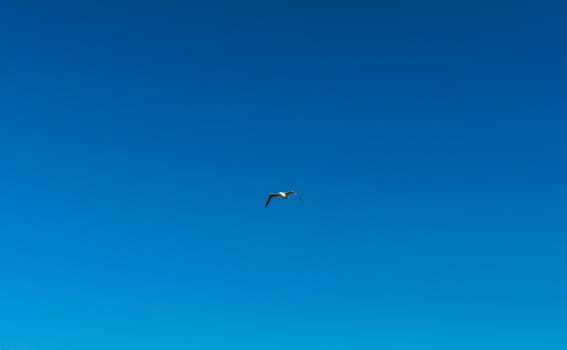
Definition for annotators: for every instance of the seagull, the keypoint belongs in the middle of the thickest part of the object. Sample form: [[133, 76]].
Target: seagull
[[284, 195]]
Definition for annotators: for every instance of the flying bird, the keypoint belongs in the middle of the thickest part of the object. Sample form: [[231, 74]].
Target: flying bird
[[284, 195]]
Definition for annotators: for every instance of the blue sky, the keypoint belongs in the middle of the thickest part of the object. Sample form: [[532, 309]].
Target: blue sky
[[139, 140]]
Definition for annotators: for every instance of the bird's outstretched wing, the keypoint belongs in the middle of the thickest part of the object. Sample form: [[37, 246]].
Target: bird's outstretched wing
[[269, 199], [289, 193]]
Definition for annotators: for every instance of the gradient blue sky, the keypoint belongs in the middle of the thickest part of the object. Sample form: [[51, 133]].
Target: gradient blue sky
[[139, 140]]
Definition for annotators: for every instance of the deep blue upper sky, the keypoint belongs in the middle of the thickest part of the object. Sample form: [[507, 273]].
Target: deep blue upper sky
[[138, 142]]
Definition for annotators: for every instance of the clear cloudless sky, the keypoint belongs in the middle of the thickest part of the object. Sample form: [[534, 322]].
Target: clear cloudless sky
[[138, 142]]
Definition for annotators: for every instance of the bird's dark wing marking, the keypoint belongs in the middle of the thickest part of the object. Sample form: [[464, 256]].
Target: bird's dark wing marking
[[269, 199]]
